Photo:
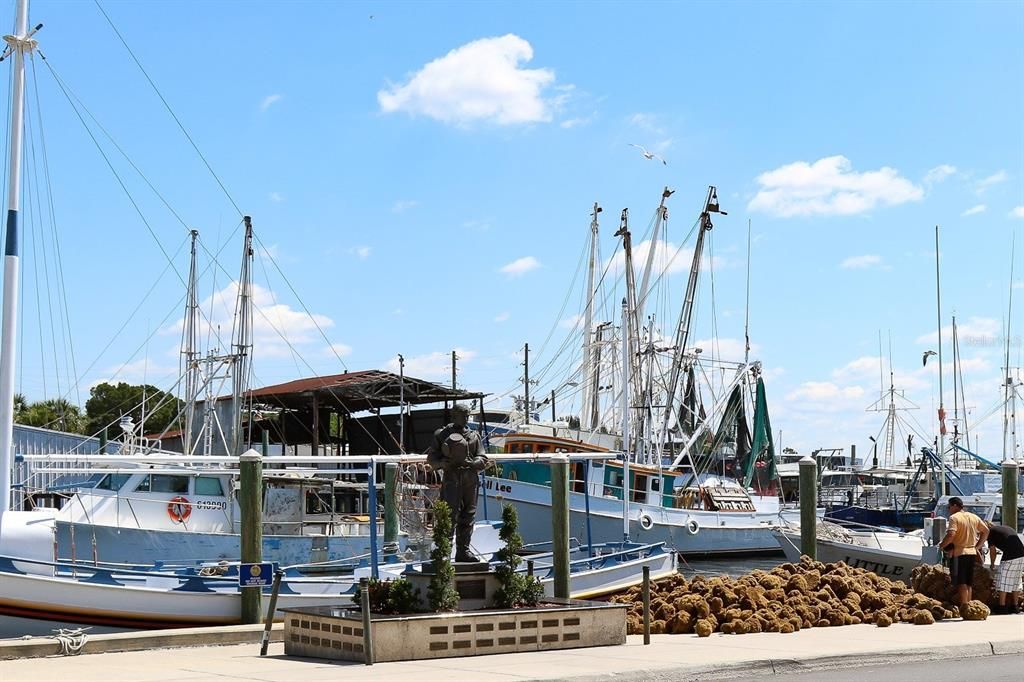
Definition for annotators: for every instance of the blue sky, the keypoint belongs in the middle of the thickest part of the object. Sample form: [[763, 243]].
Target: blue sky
[[423, 174]]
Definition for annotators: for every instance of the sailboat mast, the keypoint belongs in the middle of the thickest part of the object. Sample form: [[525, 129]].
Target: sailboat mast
[[190, 350], [18, 44], [686, 315], [243, 342], [589, 420], [942, 410], [659, 221], [1008, 383], [626, 361]]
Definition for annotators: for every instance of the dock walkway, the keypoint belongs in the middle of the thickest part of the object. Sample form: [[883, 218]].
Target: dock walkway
[[668, 657]]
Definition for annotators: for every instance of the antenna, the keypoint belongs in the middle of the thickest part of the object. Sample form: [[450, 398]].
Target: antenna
[[746, 322]]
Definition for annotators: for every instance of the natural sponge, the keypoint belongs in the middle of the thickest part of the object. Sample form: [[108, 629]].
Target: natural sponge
[[975, 610]]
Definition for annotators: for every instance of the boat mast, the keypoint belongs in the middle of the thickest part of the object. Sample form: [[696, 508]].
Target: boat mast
[[942, 411], [1008, 384], [686, 315], [18, 45], [242, 342], [589, 420], [660, 219], [190, 350], [625, 421]]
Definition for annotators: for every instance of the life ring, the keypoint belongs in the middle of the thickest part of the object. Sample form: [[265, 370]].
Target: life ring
[[692, 527], [179, 509], [646, 522]]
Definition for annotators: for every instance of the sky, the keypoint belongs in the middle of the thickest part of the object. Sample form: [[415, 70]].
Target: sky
[[421, 177]]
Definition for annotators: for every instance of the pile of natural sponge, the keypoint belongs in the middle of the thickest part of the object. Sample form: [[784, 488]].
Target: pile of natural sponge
[[785, 599]]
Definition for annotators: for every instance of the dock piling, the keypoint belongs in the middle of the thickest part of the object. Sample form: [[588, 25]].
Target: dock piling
[[808, 507], [364, 605], [251, 502], [1011, 473], [391, 508], [560, 525], [647, 604]]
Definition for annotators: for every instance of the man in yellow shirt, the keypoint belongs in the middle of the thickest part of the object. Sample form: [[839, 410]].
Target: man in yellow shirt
[[964, 539]]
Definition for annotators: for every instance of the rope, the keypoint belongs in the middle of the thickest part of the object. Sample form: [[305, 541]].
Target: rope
[[71, 640]]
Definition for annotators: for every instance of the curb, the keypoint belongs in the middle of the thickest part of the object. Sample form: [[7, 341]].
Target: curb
[[39, 647], [792, 666]]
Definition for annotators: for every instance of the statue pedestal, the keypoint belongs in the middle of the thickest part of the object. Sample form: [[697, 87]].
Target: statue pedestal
[[475, 582]]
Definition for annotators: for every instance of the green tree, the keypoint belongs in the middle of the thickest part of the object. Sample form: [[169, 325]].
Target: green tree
[[441, 591], [109, 402], [54, 413]]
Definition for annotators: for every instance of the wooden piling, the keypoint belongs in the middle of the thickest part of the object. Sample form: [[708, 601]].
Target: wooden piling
[[809, 507], [250, 499], [1011, 475], [560, 525]]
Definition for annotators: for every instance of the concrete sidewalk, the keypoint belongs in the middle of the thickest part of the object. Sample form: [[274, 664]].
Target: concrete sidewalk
[[668, 657]]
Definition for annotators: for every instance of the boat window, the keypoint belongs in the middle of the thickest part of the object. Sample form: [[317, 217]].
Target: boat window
[[543, 448], [143, 486], [165, 483], [209, 485], [655, 484], [112, 481], [513, 448]]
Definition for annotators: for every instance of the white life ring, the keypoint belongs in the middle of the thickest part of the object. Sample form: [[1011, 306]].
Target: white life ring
[[692, 527], [646, 522]]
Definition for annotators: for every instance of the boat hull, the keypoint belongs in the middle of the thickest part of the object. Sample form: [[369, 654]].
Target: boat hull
[[689, 532], [891, 562]]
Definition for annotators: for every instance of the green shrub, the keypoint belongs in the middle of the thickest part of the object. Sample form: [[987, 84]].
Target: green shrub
[[390, 596], [515, 589], [441, 593]]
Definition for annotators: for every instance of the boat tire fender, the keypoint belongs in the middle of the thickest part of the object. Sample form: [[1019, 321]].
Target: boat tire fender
[[692, 527], [646, 522]]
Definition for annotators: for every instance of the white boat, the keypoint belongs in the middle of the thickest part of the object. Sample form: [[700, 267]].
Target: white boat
[[889, 554]]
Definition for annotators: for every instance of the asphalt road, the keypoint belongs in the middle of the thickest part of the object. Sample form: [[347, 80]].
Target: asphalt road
[[1007, 668]]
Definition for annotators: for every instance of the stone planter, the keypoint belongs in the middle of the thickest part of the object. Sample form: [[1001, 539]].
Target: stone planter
[[337, 632]]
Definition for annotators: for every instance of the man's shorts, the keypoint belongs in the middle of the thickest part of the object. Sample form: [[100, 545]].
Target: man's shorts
[[1008, 575], [962, 570]]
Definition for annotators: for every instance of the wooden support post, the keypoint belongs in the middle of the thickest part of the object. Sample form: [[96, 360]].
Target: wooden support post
[[1011, 476], [269, 623], [364, 606], [251, 502], [266, 443], [808, 507], [560, 525], [316, 425], [391, 528], [646, 592]]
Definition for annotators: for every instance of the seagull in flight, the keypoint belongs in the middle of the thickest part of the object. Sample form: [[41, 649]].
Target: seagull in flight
[[927, 354], [648, 155]]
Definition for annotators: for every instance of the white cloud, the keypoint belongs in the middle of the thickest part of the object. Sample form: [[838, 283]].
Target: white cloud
[[480, 81], [724, 348], [976, 331], [433, 366], [276, 197], [361, 252], [520, 266], [864, 366], [829, 186], [994, 179], [939, 173], [268, 101], [502, 317], [668, 257], [570, 322], [825, 395], [276, 326], [974, 210], [1017, 212], [403, 205], [860, 262], [340, 350], [647, 122], [578, 121]]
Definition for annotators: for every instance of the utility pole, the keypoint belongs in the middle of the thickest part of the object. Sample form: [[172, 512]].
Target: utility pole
[[401, 404], [454, 358], [526, 380], [942, 410], [553, 418]]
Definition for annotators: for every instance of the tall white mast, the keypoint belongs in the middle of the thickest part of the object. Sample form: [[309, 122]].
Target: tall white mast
[[18, 45], [588, 419], [242, 342], [626, 364], [641, 301], [190, 350], [942, 409]]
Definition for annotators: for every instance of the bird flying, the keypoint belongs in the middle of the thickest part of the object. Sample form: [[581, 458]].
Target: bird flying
[[648, 155], [927, 354]]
